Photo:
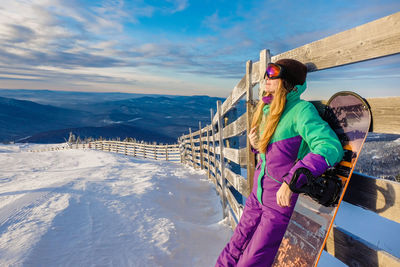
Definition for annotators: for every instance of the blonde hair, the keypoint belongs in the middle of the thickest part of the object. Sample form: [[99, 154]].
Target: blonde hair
[[272, 120]]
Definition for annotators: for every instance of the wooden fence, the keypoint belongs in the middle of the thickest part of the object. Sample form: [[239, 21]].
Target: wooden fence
[[223, 150], [140, 150]]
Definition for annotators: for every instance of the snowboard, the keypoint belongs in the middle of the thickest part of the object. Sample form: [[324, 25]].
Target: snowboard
[[349, 116]]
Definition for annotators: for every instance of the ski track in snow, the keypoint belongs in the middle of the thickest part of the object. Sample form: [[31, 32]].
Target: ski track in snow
[[91, 208]]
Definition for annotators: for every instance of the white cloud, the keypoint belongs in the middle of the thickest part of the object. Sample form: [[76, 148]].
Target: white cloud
[[178, 5], [88, 42]]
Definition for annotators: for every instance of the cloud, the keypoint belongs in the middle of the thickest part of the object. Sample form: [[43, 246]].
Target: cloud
[[80, 39], [19, 33], [178, 5], [73, 34], [213, 22]]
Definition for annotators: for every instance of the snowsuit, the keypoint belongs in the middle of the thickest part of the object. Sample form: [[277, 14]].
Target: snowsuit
[[301, 139]]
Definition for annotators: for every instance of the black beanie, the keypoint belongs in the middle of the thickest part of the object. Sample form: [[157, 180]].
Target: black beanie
[[295, 72]]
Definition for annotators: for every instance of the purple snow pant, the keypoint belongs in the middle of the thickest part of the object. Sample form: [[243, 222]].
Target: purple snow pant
[[257, 236]]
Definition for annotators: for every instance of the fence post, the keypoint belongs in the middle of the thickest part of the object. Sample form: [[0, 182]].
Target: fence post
[[227, 142], [208, 152], [134, 149], [249, 114], [192, 147], [155, 151], [201, 148], [166, 152], [222, 160], [181, 150], [185, 153], [213, 138]]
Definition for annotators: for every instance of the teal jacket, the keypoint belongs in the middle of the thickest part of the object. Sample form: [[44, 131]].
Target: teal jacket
[[301, 139]]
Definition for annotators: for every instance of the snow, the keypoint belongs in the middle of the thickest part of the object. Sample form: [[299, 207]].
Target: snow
[[91, 208]]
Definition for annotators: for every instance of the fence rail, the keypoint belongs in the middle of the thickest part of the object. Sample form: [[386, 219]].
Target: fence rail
[[140, 150], [230, 166]]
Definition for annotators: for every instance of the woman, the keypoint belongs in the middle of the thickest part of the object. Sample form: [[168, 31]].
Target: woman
[[288, 133]]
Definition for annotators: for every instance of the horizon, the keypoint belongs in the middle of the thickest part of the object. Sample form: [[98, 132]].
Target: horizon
[[86, 92], [178, 47], [155, 94]]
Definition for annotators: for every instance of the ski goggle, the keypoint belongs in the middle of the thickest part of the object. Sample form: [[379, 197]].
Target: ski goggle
[[274, 71]]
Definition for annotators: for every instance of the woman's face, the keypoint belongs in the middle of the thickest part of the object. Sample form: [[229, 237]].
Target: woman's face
[[271, 86]]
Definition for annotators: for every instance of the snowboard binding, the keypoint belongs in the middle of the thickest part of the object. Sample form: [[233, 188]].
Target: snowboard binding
[[324, 189]]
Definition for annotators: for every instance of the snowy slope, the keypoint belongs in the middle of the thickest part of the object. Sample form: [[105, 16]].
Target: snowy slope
[[92, 208]]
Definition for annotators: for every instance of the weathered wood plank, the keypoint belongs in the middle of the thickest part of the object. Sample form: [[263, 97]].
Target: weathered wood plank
[[354, 251], [256, 76], [385, 114], [212, 178], [120, 145], [192, 147], [243, 157], [216, 150], [196, 140], [212, 169], [378, 195], [186, 136], [218, 187], [235, 128], [208, 151], [196, 148], [249, 116], [238, 182], [185, 141], [372, 40], [201, 147], [212, 149], [232, 220], [213, 160], [222, 159], [232, 154], [196, 133], [216, 136], [236, 207], [237, 93]]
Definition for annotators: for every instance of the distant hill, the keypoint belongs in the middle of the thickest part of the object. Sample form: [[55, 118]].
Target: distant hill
[[150, 118], [66, 99], [107, 132], [20, 118]]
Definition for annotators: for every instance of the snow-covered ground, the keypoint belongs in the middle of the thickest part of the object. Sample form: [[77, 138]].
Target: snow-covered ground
[[93, 208]]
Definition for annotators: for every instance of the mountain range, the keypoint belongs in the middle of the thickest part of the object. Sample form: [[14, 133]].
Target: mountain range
[[49, 116]]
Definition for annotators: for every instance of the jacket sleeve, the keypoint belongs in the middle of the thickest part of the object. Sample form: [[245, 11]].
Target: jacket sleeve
[[325, 147]]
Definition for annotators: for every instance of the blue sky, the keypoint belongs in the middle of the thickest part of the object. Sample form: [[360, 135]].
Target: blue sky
[[177, 46]]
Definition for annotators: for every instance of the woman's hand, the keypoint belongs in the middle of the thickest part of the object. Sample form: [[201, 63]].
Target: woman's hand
[[284, 195], [253, 137]]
